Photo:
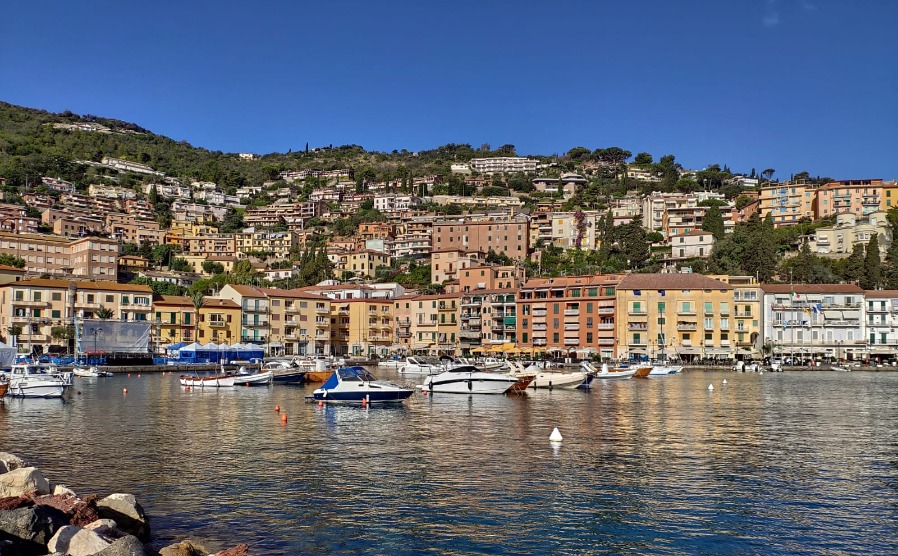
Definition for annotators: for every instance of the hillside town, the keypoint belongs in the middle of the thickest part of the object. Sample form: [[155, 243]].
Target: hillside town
[[489, 286]]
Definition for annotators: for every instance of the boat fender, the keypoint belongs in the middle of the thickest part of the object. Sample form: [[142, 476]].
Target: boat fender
[[470, 387]]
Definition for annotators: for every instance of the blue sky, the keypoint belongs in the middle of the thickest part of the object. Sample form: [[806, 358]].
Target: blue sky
[[786, 84]]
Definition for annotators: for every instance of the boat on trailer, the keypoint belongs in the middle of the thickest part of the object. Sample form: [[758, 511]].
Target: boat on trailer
[[355, 385]]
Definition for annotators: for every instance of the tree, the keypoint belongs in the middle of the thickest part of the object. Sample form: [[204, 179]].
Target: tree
[[11, 260], [243, 272], [212, 267], [181, 265], [104, 313], [742, 201], [768, 174], [854, 265], [872, 266], [643, 158], [232, 222], [713, 222]]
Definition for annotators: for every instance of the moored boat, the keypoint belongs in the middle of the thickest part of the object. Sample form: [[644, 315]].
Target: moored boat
[[551, 379], [357, 385], [418, 366], [90, 372], [619, 373], [25, 381], [215, 381], [261, 378], [468, 379]]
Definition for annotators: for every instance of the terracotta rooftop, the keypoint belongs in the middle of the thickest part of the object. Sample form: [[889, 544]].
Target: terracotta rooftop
[[81, 285], [811, 288], [564, 281], [173, 300], [672, 281], [219, 303], [881, 293]]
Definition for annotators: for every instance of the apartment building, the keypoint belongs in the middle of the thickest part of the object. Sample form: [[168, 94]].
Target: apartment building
[[14, 219], [813, 321], [128, 166], [427, 324], [504, 165], [168, 190], [882, 320], [255, 316], [692, 245], [685, 316], [509, 237], [251, 241], [300, 322], [127, 229], [78, 226], [572, 315], [210, 245], [393, 202], [91, 257], [362, 263], [362, 327], [446, 264], [567, 184], [219, 321], [889, 197], [568, 230], [849, 230], [787, 203], [175, 320], [110, 191], [858, 197], [36, 306]]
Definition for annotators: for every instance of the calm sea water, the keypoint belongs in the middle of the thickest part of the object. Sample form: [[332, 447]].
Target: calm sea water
[[793, 463]]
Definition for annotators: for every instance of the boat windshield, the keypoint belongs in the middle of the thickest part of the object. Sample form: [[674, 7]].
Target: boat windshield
[[355, 374]]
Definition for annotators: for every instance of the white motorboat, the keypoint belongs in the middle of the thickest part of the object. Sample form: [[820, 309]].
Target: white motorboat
[[606, 373], [26, 381], [356, 385], [90, 372], [490, 364], [840, 369], [419, 366], [215, 381], [389, 364], [551, 379], [468, 379], [664, 370], [67, 377]]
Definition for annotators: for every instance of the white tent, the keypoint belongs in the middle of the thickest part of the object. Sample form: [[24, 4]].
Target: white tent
[[7, 356]]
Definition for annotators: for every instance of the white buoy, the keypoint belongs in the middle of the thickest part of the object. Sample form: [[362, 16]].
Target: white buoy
[[710, 387], [760, 372], [724, 381], [555, 436]]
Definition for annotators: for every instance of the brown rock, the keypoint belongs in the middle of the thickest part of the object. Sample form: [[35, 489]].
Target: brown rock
[[183, 548], [239, 550], [15, 502]]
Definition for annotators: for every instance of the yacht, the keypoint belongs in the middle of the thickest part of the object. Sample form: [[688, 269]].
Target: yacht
[[468, 379], [27, 381]]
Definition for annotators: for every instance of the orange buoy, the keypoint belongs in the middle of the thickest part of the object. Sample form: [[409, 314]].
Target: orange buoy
[[277, 409], [187, 388], [129, 375], [320, 403], [124, 390], [284, 418]]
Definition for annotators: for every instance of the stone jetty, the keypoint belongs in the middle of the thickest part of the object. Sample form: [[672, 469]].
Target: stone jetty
[[38, 517]]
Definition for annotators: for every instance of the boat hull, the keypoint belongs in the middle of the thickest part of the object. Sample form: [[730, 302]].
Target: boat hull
[[207, 382], [371, 396], [616, 375], [289, 377], [255, 379], [36, 389], [560, 380], [316, 377], [473, 383], [4, 386]]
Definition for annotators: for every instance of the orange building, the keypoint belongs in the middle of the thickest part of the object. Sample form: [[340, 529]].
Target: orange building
[[858, 197]]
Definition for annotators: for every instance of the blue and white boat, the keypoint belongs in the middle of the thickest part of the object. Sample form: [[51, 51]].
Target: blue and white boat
[[357, 385]]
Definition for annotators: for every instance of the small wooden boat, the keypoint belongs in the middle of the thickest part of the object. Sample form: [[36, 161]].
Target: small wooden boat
[[4, 386], [261, 378], [216, 381]]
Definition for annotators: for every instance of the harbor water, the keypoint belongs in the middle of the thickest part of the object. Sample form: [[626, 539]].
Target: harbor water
[[787, 463]]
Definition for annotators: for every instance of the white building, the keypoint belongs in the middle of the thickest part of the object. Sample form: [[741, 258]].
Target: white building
[[850, 230], [882, 320], [168, 190], [569, 184], [128, 166], [814, 321], [110, 192], [460, 168], [504, 165], [695, 244], [395, 202]]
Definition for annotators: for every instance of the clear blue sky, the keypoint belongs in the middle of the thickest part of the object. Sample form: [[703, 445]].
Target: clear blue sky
[[786, 84]]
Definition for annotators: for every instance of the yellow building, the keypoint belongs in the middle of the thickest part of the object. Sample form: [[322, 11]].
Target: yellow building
[[889, 199], [34, 307], [361, 264], [362, 327], [684, 316], [428, 324], [787, 203], [218, 321], [174, 319], [300, 322], [276, 244]]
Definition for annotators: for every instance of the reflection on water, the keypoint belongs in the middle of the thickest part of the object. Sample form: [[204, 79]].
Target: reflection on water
[[787, 463]]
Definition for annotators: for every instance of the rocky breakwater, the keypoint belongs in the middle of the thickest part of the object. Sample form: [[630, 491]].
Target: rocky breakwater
[[38, 517]]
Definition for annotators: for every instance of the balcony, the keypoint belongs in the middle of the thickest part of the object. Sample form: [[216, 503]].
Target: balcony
[[26, 303], [724, 326], [470, 334], [322, 310], [322, 323], [572, 341], [539, 313], [291, 309], [85, 305], [252, 308], [136, 306], [635, 311], [259, 324], [539, 327], [606, 326], [572, 327], [606, 310], [572, 312], [684, 311], [687, 326], [217, 323], [637, 326], [539, 341], [405, 334], [638, 343], [606, 341], [743, 315]]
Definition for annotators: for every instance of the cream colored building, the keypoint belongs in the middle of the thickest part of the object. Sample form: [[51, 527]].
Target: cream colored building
[[850, 230], [787, 203], [90, 257], [300, 322], [277, 244]]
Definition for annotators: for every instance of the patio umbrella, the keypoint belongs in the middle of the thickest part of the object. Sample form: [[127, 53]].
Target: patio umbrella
[[513, 351], [496, 349], [478, 349]]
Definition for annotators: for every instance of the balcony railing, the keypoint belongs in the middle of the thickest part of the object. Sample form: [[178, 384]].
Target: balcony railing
[[30, 303], [743, 315], [635, 311], [606, 310], [637, 326], [606, 341], [572, 312], [539, 341], [217, 323], [687, 326], [682, 311], [606, 326], [571, 341]]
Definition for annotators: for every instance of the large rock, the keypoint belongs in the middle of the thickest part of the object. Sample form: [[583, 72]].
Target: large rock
[[106, 528], [8, 462], [16, 502], [76, 541], [31, 528], [62, 490], [184, 548], [23, 481], [125, 546], [126, 512], [239, 550]]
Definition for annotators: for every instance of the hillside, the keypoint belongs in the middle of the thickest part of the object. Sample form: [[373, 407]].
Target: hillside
[[30, 146]]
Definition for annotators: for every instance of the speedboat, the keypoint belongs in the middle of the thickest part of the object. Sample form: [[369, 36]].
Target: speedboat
[[215, 381], [840, 369], [606, 373], [551, 379], [67, 377], [284, 372], [664, 370], [90, 372], [356, 385], [246, 378], [392, 363], [468, 379], [25, 381], [418, 366]]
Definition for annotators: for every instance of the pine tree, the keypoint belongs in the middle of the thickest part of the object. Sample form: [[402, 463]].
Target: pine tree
[[854, 265], [713, 222], [872, 266]]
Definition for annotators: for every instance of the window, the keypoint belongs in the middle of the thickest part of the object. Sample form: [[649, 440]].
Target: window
[[36, 296], [55, 314], [589, 308], [589, 337], [524, 337], [709, 323], [709, 308], [637, 338], [56, 296], [662, 306], [555, 337], [109, 298], [555, 309], [593, 292]]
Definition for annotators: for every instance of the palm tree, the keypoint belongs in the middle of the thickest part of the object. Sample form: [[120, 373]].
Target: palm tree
[[104, 313], [197, 299]]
